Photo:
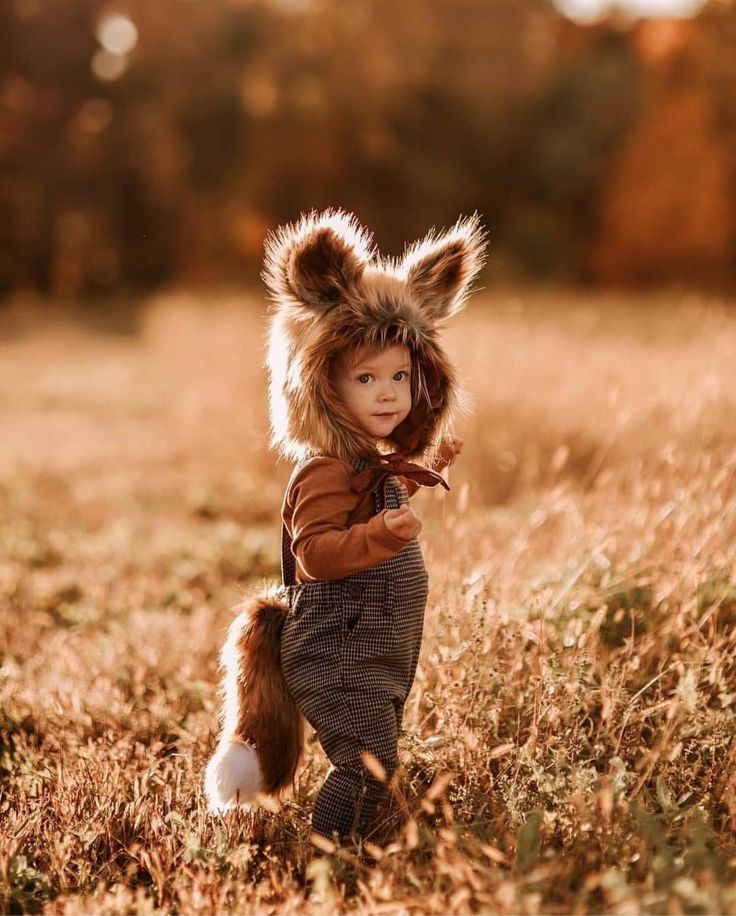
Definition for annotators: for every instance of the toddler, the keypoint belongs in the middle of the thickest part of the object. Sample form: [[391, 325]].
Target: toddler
[[359, 388]]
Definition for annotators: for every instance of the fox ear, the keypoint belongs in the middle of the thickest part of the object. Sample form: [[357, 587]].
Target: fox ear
[[317, 261], [440, 269]]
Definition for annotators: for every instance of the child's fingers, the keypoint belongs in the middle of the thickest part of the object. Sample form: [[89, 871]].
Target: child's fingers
[[395, 513], [403, 521]]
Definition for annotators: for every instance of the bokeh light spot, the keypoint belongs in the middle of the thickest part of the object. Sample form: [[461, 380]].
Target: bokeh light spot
[[258, 95], [107, 66], [117, 34], [292, 6], [27, 9], [94, 116]]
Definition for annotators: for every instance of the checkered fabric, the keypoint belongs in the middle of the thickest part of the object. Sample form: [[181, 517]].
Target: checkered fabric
[[349, 651]]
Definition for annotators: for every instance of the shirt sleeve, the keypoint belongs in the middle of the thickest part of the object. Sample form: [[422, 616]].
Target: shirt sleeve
[[325, 546]]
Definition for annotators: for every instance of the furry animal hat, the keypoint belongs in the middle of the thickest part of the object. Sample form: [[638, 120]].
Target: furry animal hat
[[332, 292]]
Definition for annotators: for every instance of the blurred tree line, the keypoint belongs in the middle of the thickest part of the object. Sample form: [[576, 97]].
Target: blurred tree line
[[142, 143]]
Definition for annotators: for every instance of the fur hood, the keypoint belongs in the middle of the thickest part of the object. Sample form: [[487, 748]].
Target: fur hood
[[331, 291]]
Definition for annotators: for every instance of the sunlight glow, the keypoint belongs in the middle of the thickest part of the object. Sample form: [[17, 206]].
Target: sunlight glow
[[590, 10], [291, 6]]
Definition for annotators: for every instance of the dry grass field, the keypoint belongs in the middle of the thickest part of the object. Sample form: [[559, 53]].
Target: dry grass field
[[570, 736]]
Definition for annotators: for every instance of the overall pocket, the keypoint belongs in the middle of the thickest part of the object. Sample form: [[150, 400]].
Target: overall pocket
[[367, 604]]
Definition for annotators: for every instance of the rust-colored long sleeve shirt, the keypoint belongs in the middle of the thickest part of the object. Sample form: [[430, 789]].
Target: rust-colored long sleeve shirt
[[334, 531]]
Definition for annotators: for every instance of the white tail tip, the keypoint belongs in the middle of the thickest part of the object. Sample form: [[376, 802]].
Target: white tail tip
[[233, 776]]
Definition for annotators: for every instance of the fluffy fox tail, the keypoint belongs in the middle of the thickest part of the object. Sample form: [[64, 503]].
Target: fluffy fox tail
[[262, 733]]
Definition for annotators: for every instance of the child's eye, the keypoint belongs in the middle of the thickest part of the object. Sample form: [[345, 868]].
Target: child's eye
[[399, 376]]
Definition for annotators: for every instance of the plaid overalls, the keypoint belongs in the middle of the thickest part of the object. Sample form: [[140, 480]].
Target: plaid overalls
[[349, 652]]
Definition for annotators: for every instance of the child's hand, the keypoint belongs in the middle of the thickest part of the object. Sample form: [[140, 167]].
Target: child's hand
[[403, 522], [449, 448]]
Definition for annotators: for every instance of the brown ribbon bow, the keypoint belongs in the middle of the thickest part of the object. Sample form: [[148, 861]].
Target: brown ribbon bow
[[373, 476]]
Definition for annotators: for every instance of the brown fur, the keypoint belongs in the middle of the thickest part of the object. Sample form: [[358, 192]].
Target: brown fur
[[324, 271], [332, 292], [262, 711]]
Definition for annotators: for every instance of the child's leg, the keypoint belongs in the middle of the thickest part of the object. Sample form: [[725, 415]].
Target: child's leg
[[347, 802], [349, 797]]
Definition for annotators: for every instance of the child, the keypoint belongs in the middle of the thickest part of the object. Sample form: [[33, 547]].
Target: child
[[355, 368]]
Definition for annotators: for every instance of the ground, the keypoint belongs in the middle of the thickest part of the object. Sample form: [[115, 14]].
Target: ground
[[569, 741]]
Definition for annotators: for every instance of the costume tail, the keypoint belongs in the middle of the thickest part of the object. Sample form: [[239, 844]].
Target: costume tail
[[262, 734]]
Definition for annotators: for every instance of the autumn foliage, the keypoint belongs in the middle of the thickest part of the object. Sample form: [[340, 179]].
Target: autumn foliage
[[602, 153]]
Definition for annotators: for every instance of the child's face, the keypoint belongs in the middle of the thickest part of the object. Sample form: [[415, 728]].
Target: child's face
[[375, 387]]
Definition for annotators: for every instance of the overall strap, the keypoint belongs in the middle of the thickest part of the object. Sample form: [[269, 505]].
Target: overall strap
[[288, 560]]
